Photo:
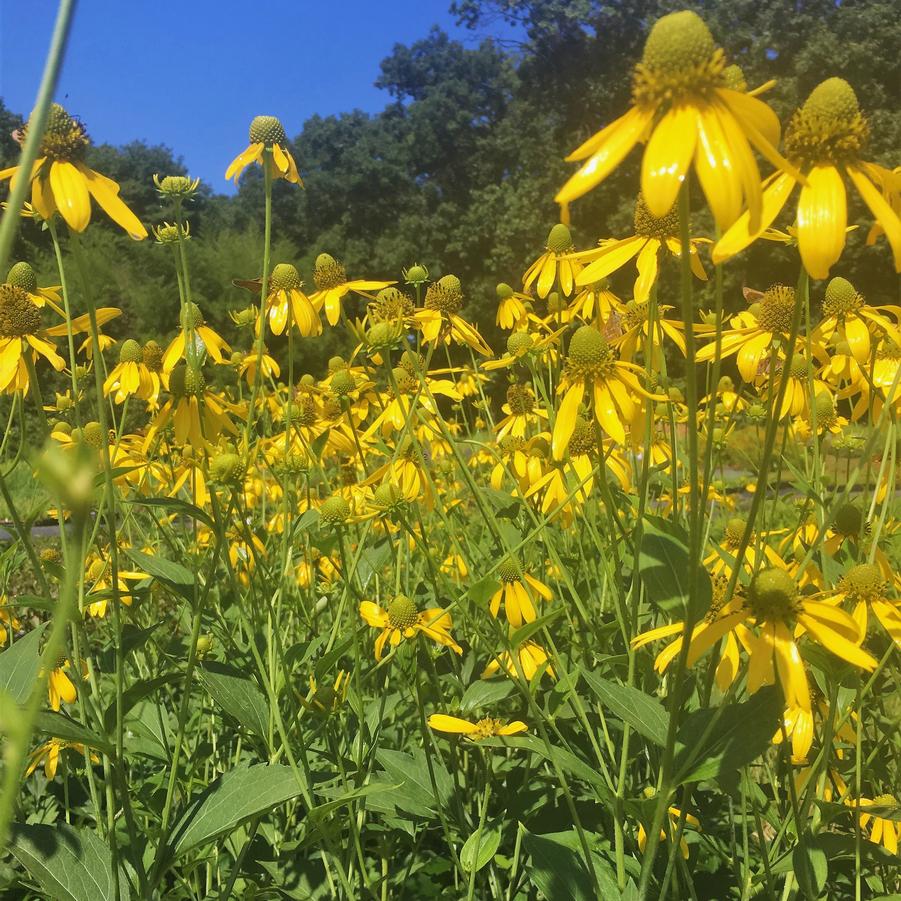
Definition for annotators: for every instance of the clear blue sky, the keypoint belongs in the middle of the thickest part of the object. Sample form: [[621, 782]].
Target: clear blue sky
[[192, 74]]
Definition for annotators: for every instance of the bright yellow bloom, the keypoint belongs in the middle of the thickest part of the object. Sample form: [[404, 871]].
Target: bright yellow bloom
[[885, 830], [652, 237], [516, 591], [62, 182], [332, 286], [825, 140], [440, 320], [529, 657], [592, 365], [867, 588], [511, 309], [22, 339], [137, 373], [557, 265], [60, 688], [686, 110], [49, 752], [268, 146], [674, 815], [402, 621], [206, 340], [288, 303], [489, 727]]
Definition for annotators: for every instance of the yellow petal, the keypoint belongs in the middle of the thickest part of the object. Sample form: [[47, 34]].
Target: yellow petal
[[106, 192], [739, 236], [444, 723], [884, 214], [565, 423], [613, 257], [647, 271], [606, 150], [822, 220], [716, 170], [667, 158], [513, 728], [70, 193]]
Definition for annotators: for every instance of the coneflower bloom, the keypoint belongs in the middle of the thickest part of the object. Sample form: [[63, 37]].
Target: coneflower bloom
[[440, 320], [22, 339], [825, 139], [402, 620], [592, 366], [206, 340], [686, 108], [529, 658], [62, 182], [488, 727], [332, 285], [516, 591], [266, 134], [652, 237], [557, 265]]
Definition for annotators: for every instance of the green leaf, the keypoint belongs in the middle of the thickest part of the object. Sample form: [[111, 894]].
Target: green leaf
[[487, 844], [237, 695], [321, 811], [412, 773], [20, 664], [167, 571], [663, 566], [810, 866], [646, 715], [136, 693], [485, 694], [58, 725], [557, 871], [231, 800], [68, 864], [527, 630], [741, 733], [480, 593], [175, 505]]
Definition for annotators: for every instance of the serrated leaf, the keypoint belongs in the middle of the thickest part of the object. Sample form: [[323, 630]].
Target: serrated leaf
[[20, 664], [742, 733], [237, 695], [231, 800], [480, 848], [646, 715], [68, 864]]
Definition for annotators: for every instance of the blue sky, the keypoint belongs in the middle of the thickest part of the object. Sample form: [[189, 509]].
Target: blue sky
[[192, 74]]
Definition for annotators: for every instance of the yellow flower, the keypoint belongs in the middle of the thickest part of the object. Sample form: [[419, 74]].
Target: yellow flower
[[62, 182], [516, 591], [557, 264], [247, 366], [511, 309], [674, 815], [22, 339], [287, 302], [531, 658], [49, 752], [9, 621], [489, 727], [205, 339], [825, 140], [268, 145], [136, 373], [60, 688], [402, 620], [332, 285], [687, 113], [592, 365], [867, 588], [327, 698], [884, 830], [23, 276], [755, 331], [440, 319], [652, 237]]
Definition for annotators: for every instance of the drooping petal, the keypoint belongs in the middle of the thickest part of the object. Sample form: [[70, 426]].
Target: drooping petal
[[667, 158], [716, 170], [106, 192], [70, 193], [822, 220], [885, 215], [612, 258], [605, 151], [565, 423], [453, 724]]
